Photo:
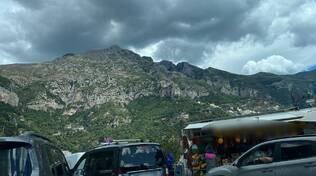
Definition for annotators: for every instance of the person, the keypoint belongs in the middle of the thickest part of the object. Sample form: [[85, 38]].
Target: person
[[210, 158], [264, 157], [160, 159], [187, 159], [221, 153], [170, 163]]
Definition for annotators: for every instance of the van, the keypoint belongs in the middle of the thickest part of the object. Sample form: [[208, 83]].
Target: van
[[31, 155]]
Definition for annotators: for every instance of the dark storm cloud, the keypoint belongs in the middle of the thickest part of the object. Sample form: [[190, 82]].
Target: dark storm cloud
[[205, 32], [54, 28], [32, 4]]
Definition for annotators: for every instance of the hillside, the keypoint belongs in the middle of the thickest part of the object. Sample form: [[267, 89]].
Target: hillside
[[78, 98]]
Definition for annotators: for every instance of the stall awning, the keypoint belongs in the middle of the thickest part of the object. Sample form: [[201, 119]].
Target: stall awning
[[241, 124], [304, 115], [309, 117], [196, 125]]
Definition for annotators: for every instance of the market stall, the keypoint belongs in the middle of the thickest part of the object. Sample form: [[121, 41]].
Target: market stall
[[229, 138]]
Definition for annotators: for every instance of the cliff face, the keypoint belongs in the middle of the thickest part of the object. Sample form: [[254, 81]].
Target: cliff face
[[120, 87], [82, 81]]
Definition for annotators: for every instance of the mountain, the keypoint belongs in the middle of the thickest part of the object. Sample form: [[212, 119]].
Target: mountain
[[78, 98], [311, 68]]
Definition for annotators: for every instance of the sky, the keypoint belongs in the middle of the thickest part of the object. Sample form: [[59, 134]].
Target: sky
[[239, 36]]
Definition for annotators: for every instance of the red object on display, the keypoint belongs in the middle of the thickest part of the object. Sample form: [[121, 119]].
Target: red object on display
[[195, 140]]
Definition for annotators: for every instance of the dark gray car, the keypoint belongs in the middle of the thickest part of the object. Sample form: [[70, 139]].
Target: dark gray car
[[281, 157], [31, 155], [122, 159]]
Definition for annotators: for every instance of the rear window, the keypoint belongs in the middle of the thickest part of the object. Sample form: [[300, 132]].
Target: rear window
[[15, 159], [144, 156]]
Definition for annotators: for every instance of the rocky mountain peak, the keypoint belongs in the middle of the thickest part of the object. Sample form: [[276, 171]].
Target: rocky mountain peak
[[113, 52], [264, 74], [115, 48], [190, 70], [170, 66], [184, 68]]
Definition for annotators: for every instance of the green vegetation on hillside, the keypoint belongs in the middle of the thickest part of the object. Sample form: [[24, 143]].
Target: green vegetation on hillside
[[8, 124], [135, 97], [5, 82], [157, 119], [28, 93]]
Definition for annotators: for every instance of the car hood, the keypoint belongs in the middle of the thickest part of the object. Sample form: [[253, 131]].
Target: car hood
[[223, 170]]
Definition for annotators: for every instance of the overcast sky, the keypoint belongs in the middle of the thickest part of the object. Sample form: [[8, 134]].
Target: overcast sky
[[239, 36]]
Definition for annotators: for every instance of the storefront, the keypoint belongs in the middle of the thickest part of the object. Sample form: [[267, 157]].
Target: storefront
[[229, 138]]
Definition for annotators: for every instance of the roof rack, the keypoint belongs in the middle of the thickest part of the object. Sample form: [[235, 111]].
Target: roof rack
[[121, 141], [33, 134], [128, 140]]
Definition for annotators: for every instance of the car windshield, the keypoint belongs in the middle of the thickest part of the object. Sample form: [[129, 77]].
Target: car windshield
[[15, 160], [141, 155]]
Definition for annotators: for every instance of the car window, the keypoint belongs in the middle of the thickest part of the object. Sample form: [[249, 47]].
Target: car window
[[81, 168], [15, 160], [261, 155], [101, 163], [296, 150], [141, 156], [57, 163]]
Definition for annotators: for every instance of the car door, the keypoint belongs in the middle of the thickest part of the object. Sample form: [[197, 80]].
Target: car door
[[258, 162], [102, 163], [54, 162], [16, 158], [296, 158], [98, 163]]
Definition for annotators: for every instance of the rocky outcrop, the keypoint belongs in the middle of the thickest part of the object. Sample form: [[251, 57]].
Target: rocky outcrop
[[8, 97], [83, 81]]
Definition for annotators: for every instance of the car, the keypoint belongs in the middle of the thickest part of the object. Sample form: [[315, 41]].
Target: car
[[290, 156], [139, 158], [30, 154]]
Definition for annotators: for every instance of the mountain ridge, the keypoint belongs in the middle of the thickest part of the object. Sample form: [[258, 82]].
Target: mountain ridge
[[117, 61], [115, 92]]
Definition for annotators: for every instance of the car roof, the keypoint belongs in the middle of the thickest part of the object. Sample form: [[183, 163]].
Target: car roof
[[121, 145], [15, 139], [292, 138], [27, 138]]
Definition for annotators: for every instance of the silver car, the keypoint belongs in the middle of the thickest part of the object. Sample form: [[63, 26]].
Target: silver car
[[293, 156]]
